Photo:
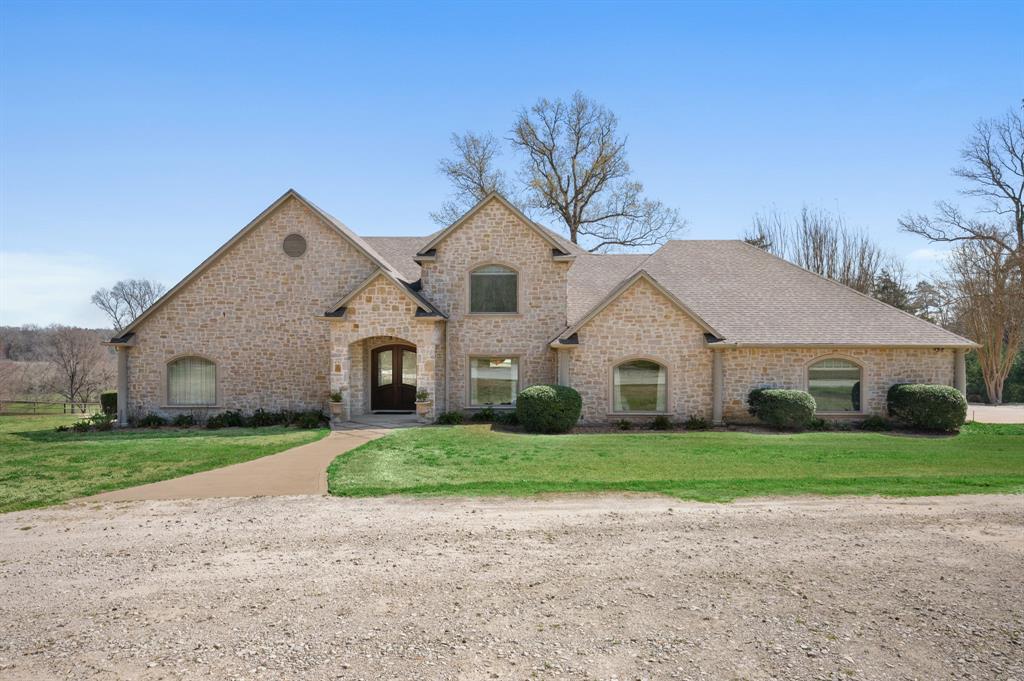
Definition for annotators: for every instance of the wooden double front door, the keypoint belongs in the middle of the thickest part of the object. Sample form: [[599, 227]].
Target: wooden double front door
[[393, 378]]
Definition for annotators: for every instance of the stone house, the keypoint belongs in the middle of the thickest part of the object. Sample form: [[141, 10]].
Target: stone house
[[296, 306]]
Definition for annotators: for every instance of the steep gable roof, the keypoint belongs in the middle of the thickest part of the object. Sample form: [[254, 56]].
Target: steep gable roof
[[400, 252], [358, 242], [426, 308], [565, 247], [754, 298], [623, 286]]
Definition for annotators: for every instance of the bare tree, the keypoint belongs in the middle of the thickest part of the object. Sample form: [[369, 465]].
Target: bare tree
[[993, 171], [473, 174], [127, 299], [984, 286], [575, 169], [81, 365], [823, 243]]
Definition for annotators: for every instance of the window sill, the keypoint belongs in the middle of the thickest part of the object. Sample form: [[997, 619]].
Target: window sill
[[191, 406], [492, 315], [495, 407]]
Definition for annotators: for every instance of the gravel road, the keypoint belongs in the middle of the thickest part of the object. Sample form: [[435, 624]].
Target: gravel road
[[570, 587]]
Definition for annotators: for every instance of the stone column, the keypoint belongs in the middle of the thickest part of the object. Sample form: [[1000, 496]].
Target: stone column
[[122, 386], [563, 365], [960, 371], [716, 387], [427, 349], [341, 365]]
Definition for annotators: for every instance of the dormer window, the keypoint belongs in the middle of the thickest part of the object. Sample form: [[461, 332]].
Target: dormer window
[[493, 289]]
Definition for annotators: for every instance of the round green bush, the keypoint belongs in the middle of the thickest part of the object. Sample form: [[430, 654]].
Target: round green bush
[[108, 403], [782, 409], [548, 408], [927, 407]]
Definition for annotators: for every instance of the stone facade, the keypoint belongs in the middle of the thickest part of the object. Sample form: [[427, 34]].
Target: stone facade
[[253, 312], [495, 235], [749, 368], [382, 314], [642, 323], [260, 316]]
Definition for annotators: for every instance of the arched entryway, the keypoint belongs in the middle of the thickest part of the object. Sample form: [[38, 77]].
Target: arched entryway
[[393, 378]]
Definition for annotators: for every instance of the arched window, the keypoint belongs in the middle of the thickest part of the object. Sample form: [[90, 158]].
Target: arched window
[[191, 381], [493, 289], [639, 385], [835, 384]]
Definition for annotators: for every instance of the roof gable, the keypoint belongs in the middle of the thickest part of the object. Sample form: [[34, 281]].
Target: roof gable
[[560, 247], [332, 222], [423, 305], [628, 283]]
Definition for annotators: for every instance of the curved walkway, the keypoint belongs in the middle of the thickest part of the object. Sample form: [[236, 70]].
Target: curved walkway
[[300, 470], [1004, 413]]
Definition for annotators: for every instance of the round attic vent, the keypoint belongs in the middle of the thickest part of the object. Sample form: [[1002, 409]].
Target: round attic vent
[[294, 245]]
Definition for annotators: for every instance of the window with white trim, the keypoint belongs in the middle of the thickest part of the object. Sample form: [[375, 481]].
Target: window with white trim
[[834, 384], [639, 385], [191, 381], [493, 289], [493, 381]]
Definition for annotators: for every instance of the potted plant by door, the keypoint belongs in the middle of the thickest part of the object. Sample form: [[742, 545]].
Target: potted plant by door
[[424, 406], [337, 404]]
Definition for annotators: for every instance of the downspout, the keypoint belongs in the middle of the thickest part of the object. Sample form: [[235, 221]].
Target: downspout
[[960, 370], [122, 385], [716, 387]]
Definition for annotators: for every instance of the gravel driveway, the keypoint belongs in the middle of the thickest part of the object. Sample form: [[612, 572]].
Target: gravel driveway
[[573, 587]]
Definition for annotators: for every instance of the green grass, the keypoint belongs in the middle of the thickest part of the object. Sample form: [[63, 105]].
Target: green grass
[[39, 467], [709, 466]]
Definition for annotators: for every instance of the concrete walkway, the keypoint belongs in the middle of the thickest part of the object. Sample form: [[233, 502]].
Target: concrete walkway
[[300, 470], [1004, 413]]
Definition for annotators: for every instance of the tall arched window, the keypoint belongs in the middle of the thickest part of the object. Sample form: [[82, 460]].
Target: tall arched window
[[493, 289], [835, 384], [191, 381], [639, 385]]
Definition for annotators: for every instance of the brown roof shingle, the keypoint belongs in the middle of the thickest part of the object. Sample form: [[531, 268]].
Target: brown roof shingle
[[752, 297]]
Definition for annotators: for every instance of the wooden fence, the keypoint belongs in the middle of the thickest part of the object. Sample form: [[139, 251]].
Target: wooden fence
[[28, 407]]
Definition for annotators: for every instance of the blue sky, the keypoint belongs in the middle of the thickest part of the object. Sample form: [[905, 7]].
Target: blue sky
[[135, 138]]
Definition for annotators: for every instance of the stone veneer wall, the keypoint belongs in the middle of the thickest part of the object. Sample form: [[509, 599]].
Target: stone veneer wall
[[496, 235], [252, 312], [642, 323], [749, 368], [378, 315]]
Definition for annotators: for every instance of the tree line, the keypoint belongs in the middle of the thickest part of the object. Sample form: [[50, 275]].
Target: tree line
[[573, 169]]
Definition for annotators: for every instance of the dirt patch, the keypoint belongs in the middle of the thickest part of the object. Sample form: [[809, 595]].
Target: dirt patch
[[563, 587]]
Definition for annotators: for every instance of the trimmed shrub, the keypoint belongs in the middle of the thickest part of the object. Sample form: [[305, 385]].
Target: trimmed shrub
[[696, 423], [548, 408], [484, 415], [311, 419], [183, 421], [506, 418], [262, 419], [875, 423], [102, 421], [108, 403], [927, 407], [782, 409], [151, 420], [819, 425], [661, 423], [450, 418], [226, 419], [623, 424]]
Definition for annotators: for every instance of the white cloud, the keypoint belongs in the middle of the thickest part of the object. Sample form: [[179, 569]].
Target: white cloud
[[47, 288]]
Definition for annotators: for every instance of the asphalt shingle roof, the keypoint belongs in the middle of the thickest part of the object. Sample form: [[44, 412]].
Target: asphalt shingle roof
[[752, 297]]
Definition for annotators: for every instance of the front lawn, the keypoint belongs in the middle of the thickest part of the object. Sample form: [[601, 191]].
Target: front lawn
[[39, 467], [710, 466]]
